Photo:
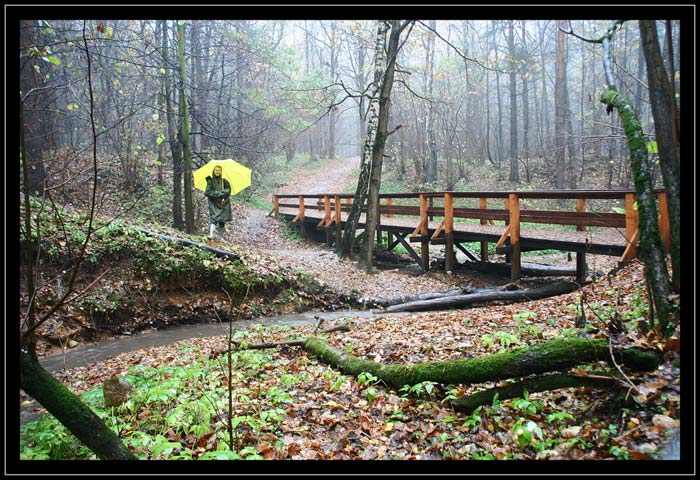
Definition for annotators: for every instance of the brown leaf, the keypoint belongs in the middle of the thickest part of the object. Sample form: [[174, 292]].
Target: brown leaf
[[204, 439], [293, 449]]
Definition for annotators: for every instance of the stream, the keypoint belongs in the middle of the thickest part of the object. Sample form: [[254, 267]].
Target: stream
[[89, 354]]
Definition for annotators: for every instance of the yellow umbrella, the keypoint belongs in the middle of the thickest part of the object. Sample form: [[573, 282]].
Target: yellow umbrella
[[238, 175]]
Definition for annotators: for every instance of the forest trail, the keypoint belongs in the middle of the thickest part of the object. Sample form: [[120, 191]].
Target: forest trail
[[261, 236]]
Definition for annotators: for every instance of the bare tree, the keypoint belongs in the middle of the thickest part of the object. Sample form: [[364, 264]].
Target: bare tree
[[63, 404], [386, 82], [663, 106], [651, 249]]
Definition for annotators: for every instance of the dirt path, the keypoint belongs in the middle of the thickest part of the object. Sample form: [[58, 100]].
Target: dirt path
[[263, 237]]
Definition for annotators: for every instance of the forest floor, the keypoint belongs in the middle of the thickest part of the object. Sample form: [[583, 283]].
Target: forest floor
[[330, 416]]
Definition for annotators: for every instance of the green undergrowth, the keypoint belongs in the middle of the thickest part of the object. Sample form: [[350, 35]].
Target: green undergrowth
[[180, 411], [135, 261]]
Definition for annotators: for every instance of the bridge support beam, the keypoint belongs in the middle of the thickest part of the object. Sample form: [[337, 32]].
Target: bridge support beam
[[514, 207], [484, 254], [581, 269], [425, 239], [449, 234]]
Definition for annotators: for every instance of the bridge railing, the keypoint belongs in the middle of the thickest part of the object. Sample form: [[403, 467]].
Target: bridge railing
[[427, 205]]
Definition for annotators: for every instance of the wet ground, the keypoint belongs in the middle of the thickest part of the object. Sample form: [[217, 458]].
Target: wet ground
[[90, 354]]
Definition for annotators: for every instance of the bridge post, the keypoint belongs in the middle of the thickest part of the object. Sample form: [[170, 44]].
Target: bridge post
[[276, 209], [425, 241], [631, 226], [514, 237], [327, 218], [338, 229], [302, 223], [664, 225], [449, 235], [506, 203], [389, 235], [484, 245], [379, 221], [581, 256]]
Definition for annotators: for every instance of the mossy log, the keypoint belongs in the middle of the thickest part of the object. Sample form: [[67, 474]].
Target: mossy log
[[554, 356], [496, 295], [542, 383], [183, 241], [71, 411]]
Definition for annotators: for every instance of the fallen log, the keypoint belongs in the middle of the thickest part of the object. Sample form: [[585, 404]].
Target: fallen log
[[287, 343], [183, 241], [494, 295], [554, 356], [542, 383], [399, 299], [526, 269]]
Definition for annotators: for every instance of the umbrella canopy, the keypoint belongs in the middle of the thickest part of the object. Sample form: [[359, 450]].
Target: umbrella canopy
[[238, 175]]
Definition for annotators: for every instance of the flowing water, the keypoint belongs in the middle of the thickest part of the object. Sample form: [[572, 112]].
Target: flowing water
[[87, 355]]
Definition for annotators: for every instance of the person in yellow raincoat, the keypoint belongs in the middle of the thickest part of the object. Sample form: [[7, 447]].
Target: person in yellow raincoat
[[218, 192]]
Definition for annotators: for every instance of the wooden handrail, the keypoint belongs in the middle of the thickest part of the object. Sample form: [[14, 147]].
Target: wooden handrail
[[535, 194]]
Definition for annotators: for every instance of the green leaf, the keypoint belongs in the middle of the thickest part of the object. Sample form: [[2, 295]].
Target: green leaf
[[53, 60], [160, 139], [652, 147], [162, 71], [155, 116], [619, 210]]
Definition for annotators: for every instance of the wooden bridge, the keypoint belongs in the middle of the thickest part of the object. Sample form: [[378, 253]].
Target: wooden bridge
[[450, 219]]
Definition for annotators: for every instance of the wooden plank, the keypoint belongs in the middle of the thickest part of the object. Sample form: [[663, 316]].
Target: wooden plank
[[438, 230], [421, 226], [503, 238], [466, 251], [402, 239], [631, 249], [276, 201]]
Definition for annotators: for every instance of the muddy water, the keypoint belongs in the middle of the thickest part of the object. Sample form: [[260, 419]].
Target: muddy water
[[86, 355]]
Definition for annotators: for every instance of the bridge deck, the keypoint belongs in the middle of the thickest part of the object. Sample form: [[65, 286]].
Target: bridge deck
[[450, 219], [603, 241]]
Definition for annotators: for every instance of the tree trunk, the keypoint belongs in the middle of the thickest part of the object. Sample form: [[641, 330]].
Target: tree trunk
[[544, 383], [178, 222], [34, 109], [651, 250], [560, 112], [386, 82], [514, 175], [431, 171], [461, 301], [556, 355], [70, 411], [526, 114], [185, 129], [347, 243], [662, 107], [183, 241]]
